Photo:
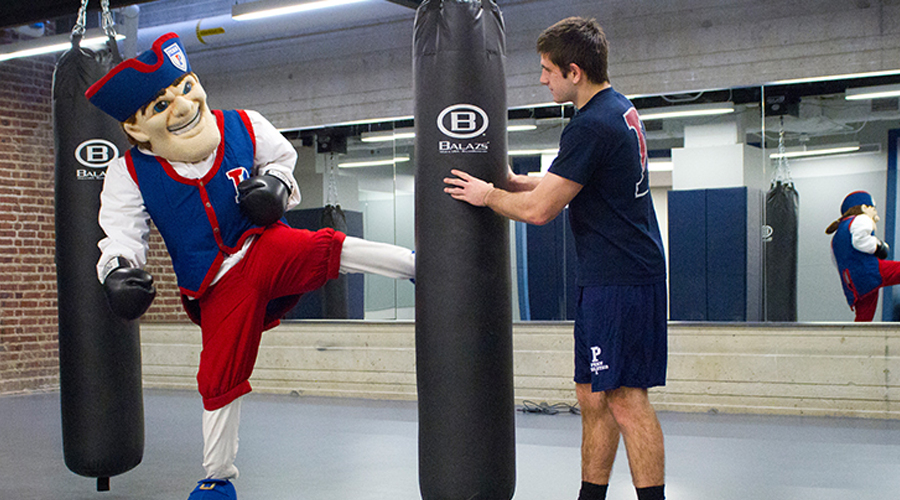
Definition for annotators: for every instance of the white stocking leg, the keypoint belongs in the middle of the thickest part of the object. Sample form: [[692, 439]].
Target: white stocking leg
[[363, 256], [220, 440]]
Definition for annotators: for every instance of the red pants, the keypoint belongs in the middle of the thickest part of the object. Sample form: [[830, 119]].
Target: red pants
[[251, 297], [890, 275]]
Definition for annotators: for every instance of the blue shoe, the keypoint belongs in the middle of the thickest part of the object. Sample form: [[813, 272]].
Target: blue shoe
[[213, 489]]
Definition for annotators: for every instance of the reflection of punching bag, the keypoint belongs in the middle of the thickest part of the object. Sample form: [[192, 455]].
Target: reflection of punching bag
[[99, 354], [463, 308], [781, 252], [335, 293]]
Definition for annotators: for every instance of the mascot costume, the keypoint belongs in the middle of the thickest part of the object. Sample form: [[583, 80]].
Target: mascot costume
[[215, 184], [861, 258]]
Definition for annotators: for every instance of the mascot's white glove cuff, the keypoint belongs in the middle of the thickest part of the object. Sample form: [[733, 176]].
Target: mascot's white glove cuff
[[283, 178], [113, 264]]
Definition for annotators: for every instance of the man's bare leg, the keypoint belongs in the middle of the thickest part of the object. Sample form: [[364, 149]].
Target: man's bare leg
[[599, 435], [642, 433]]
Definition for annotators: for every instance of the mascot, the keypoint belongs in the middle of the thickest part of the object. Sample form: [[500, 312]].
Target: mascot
[[215, 184], [861, 258]]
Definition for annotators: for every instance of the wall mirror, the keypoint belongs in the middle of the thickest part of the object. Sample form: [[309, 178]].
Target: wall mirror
[[824, 137]]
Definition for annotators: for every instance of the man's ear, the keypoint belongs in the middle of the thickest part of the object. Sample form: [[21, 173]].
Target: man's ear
[[136, 132], [576, 72]]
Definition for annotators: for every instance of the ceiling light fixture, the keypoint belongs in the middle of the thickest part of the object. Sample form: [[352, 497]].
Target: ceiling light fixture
[[876, 92], [390, 135], [374, 163], [831, 78], [364, 121], [688, 111], [816, 152], [50, 44], [268, 8], [533, 152], [522, 127]]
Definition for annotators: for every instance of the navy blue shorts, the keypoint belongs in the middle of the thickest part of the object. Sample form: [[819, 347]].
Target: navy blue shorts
[[620, 336]]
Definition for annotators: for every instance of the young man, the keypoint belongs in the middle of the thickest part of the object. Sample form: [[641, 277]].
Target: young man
[[861, 258], [620, 326], [215, 184]]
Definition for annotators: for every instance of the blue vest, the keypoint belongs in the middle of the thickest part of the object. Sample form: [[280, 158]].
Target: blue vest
[[199, 219], [860, 273]]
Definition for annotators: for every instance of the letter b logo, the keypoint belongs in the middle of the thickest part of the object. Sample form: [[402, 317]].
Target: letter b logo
[[462, 121]]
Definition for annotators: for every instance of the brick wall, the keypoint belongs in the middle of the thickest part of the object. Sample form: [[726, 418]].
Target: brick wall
[[28, 320], [167, 305], [28, 307]]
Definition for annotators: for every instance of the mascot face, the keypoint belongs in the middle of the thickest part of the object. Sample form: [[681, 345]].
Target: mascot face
[[871, 212], [178, 124]]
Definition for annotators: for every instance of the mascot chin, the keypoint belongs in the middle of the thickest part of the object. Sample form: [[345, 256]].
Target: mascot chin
[[215, 184]]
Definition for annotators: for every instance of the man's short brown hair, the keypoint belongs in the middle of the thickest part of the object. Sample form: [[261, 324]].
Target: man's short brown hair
[[579, 41]]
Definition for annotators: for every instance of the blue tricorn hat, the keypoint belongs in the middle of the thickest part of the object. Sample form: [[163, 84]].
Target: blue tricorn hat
[[856, 198], [135, 82]]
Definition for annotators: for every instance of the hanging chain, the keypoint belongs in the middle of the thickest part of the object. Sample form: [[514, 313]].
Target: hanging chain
[[106, 20], [78, 30], [332, 181], [782, 167]]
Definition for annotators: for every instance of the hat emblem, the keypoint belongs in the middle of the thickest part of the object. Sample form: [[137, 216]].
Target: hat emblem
[[176, 56]]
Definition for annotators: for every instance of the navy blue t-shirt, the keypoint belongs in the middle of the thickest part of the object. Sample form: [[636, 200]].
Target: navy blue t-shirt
[[617, 238]]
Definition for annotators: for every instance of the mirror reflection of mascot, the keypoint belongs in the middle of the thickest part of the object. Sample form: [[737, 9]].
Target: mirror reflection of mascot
[[215, 184], [861, 258]]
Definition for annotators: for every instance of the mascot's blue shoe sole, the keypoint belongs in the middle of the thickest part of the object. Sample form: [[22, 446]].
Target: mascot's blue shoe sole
[[213, 489]]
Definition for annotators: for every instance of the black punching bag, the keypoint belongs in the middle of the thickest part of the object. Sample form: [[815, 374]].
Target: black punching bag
[[335, 293], [782, 208], [99, 354], [463, 311]]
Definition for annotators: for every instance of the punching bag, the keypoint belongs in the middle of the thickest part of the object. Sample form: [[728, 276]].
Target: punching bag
[[782, 207], [335, 293], [463, 306], [99, 354]]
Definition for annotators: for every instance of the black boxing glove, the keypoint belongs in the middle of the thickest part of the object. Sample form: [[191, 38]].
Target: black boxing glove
[[263, 199], [129, 291], [881, 251]]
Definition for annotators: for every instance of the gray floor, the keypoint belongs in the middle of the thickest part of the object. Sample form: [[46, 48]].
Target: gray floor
[[317, 448]]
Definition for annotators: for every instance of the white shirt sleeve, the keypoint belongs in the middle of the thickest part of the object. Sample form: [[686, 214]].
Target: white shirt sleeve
[[861, 233], [275, 155], [124, 219]]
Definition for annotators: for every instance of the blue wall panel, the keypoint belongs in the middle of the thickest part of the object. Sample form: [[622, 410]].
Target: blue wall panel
[[726, 254], [715, 255], [687, 255]]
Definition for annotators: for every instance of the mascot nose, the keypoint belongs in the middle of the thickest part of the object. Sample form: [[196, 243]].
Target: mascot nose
[[181, 106]]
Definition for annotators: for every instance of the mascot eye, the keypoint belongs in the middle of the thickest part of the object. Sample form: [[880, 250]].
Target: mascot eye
[[187, 87], [160, 106]]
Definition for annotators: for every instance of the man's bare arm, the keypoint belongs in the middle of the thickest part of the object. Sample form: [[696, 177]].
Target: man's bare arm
[[537, 206]]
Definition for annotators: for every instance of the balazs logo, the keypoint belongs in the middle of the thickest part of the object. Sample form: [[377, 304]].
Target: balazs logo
[[463, 121], [95, 154]]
